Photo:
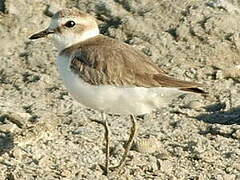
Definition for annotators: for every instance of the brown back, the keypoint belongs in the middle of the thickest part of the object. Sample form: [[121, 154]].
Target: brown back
[[104, 61]]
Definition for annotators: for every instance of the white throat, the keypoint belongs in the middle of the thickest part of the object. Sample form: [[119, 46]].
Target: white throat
[[63, 41]]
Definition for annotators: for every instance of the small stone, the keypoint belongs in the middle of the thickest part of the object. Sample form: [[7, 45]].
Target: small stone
[[81, 131], [18, 118], [45, 161], [18, 153], [165, 166], [195, 105], [229, 177], [229, 169], [219, 74], [202, 177], [52, 9], [236, 134], [65, 173], [233, 72], [146, 145], [236, 166], [219, 177], [8, 128]]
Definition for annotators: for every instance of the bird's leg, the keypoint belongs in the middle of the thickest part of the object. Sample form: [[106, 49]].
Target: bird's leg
[[104, 122], [106, 135], [129, 143]]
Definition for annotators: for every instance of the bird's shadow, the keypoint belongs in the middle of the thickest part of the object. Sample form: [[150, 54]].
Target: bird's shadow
[[216, 115], [6, 142]]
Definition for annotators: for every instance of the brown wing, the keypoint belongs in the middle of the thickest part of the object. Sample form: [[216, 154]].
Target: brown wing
[[105, 61]]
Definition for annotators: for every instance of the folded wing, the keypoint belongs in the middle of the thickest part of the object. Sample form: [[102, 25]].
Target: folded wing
[[105, 61]]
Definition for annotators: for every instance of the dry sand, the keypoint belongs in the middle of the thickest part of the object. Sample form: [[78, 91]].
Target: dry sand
[[45, 134]]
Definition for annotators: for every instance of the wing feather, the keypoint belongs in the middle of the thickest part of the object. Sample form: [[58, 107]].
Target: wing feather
[[105, 61]]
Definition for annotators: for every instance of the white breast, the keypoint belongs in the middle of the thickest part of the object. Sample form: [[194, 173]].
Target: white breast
[[135, 100]]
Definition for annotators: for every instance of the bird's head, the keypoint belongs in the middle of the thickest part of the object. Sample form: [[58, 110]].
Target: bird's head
[[68, 27]]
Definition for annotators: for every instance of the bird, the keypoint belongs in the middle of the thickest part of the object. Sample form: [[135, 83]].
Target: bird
[[108, 75]]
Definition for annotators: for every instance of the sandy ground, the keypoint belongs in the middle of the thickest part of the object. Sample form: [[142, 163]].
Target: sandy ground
[[45, 134]]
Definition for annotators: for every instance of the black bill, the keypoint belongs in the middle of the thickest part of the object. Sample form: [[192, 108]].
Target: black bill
[[41, 34]]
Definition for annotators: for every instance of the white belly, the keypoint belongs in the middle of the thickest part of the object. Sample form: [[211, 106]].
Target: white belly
[[133, 100]]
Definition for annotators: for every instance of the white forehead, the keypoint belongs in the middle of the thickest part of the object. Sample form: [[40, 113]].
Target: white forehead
[[56, 22]]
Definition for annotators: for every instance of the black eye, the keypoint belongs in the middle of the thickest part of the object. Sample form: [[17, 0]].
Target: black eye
[[69, 24]]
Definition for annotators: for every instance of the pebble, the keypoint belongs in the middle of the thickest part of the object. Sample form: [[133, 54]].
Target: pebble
[[219, 74], [236, 166], [18, 118], [233, 72], [146, 145], [236, 134], [18, 153], [229, 177], [8, 128], [195, 105], [45, 161], [52, 9], [165, 166]]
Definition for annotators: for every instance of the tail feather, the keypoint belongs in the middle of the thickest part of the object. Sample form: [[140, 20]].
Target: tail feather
[[194, 90], [167, 81]]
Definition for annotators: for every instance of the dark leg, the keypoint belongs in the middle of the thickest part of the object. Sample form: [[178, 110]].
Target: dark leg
[[106, 134], [104, 122], [129, 144]]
